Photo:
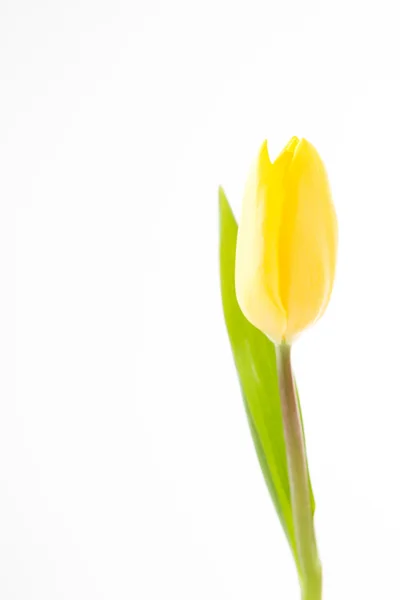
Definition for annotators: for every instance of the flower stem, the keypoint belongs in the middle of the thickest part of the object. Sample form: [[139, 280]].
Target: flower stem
[[306, 546]]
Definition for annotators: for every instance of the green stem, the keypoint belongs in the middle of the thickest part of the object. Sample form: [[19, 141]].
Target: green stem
[[310, 566]]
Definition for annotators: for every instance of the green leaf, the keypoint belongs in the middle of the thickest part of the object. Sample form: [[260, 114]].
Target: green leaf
[[255, 361]]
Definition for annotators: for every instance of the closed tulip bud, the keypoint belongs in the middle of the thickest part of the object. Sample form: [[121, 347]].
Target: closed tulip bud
[[287, 242]]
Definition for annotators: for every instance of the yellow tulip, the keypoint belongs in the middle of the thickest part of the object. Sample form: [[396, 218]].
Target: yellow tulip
[[287, 242]]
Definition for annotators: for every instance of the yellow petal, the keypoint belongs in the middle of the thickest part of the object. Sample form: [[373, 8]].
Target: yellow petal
[[257, 259], [308, 241]]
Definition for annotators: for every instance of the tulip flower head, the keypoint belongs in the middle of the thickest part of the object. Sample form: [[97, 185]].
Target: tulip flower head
[[287, 242]]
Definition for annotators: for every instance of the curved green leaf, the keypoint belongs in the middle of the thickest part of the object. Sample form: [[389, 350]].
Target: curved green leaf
[[255, 361]]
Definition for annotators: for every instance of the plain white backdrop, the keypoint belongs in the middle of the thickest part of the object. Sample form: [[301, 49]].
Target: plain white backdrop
[[126, 466]]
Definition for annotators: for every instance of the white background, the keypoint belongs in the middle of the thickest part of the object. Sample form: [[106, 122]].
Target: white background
[[126, 467]]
